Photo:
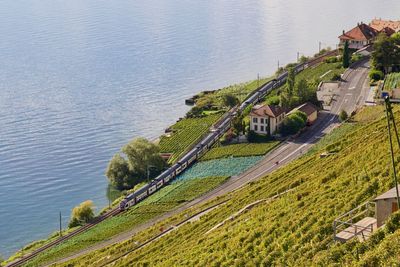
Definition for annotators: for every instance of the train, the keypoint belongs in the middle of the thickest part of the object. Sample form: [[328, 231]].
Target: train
[[208, 141]]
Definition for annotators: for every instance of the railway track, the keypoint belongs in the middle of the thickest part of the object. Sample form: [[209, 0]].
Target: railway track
[[81, 229]]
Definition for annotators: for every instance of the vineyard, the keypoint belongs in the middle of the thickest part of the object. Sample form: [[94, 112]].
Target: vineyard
[[219, 167], [185, 133], [392, 81], [240, 150], [157, 204], [292, 230]]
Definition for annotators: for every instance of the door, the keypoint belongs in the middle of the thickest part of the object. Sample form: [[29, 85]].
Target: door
[[394, 207]]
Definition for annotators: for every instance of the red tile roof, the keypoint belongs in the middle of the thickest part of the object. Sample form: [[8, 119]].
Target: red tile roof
[[379, 24], [308, 108], [267, 110], [362, 32]]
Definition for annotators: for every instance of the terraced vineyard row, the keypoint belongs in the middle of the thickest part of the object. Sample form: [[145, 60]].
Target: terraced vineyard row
[[392, 81], [185, 133], [240, 150]]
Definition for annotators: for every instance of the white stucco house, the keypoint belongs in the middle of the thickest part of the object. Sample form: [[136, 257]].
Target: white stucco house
[[266, 119]]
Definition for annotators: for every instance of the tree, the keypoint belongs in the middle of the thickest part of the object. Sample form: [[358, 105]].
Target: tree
[[302, 90], [143, 154], [81, 214], [237, 124], [343, 115], [293, 123], [346, 55], [230, 100], [386, 53], [119, 173], [291, 80]]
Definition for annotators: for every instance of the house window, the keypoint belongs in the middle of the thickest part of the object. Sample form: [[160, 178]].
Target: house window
[[262, 128], [255, 120], [255, 128], [262, 120]]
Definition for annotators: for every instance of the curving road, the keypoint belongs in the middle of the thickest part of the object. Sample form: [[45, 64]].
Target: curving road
[[351, 95]]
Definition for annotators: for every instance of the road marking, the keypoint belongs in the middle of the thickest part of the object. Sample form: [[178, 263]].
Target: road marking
[[352, 88], [349, 94]]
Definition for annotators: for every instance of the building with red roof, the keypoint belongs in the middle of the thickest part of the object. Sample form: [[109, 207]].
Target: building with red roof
[[359, 37], [266, 119]]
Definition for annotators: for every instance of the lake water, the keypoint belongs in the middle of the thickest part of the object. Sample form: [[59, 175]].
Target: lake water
[[79, 79]]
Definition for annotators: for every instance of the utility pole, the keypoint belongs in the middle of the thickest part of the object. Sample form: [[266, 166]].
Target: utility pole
[[319, 47], [60, 226], [298, 57], [258, 80], [278, 65], [390, 117]]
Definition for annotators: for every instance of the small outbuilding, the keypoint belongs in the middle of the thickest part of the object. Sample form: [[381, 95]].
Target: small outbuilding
[[386, 204], [310, 110]]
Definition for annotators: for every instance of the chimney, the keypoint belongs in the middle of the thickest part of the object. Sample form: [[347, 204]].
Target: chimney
[[343, 32]]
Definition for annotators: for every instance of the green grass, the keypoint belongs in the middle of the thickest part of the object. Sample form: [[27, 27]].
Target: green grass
[[312, 75], [220, 167], [186, 132], [392, 81], [157, 204], [240, 150], [294, 229]]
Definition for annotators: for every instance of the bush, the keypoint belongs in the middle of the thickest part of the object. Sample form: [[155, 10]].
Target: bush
[[331, 59], [251, 136], [393, 223], [293, 123], [81, 214], [375, 75], [343, 115], [336, 77]]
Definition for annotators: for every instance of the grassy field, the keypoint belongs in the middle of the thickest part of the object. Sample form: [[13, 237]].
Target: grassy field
[[240, 150], [185, 133], [220, 167], [294, 229], [392, 81], [159, 203]]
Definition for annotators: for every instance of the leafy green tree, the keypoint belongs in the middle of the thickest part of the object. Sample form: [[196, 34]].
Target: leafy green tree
[[293, 123], [346, 55], [290, 82], [302, 90], [81, 214], [237, 124], [343, 115], [143, 154], [230, 100], [119, 173], [386, 53]]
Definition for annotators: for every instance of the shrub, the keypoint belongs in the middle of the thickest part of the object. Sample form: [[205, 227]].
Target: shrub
[[83, 213], [343, 115], [375, 75], [336, 77], [393, 223], [293, 123], [331, 59]]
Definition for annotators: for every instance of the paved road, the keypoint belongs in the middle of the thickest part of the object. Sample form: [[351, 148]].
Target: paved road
[[352, 93]]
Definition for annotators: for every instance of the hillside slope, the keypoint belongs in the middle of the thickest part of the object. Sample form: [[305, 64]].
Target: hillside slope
[[294, 229]]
